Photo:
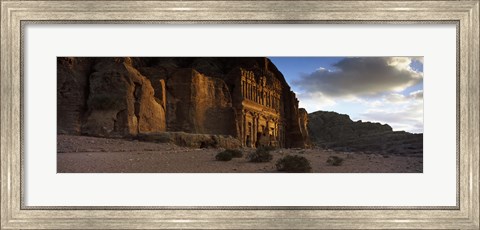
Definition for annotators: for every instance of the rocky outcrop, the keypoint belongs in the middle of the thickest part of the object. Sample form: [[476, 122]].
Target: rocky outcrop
[[338, 132], [297, 134], [192, 140], [121, 101], [199, 104], [303, 120], [72, 93], [122, 97], [327, 127]]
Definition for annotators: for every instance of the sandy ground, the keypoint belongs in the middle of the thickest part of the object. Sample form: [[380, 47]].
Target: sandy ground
[[80, 154]]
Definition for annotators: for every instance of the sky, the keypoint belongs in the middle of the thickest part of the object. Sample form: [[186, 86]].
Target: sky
[[388, 90]]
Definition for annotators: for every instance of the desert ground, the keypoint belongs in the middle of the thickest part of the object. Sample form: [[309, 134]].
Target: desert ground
[[81, 154]]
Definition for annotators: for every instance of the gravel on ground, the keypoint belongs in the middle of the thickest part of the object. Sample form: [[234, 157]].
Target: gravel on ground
[[82, 154]]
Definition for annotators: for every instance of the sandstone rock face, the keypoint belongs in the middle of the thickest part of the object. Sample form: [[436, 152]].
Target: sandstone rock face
[[130, 96], [121, 101], [295, 136], [72, 93], [303, 119], [157, 77], [331, 126], [192, 140], [199, 104], [339, 132]]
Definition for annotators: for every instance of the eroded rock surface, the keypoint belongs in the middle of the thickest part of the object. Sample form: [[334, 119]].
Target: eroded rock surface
[[121, 101], [337, 131], [199, 104], [245, 98], [72, 93]]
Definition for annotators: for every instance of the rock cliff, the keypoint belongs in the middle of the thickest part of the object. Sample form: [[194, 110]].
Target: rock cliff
[[199, 104], [121, 101], [120, 97], [72, 93], [337, 131]]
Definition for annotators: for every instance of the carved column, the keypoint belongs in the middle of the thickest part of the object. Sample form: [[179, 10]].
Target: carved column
[[268, 99], [254, 126], [241, 88], [251, 91], [244, 128], [257, 118], [276, 130], [245, 89]]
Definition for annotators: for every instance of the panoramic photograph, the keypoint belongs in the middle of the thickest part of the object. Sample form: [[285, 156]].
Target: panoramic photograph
[[240, 114]]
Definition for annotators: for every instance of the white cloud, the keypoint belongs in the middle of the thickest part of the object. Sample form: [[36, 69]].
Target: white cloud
[[395, 98], [363, 76], [401, 99], [369, 89], [400, 63], [417, 94], [375, 103], [315, 101], [408, 117], [323, 69], [405, 114]]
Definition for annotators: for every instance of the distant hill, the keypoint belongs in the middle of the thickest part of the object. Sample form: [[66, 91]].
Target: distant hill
[[336, 131]]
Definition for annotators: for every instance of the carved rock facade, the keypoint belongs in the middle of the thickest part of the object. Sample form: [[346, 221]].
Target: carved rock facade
[[246, 98]]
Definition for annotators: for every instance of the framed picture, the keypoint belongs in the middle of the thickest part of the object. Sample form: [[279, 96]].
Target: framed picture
[[239, 114]]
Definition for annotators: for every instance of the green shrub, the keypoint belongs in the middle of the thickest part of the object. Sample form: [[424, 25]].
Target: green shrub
[[235, 153], [334, 160], [260, 155], [294, 164], [224, 156]]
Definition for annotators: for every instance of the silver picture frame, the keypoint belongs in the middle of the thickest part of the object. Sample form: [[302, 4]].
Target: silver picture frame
[[16, 14]]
